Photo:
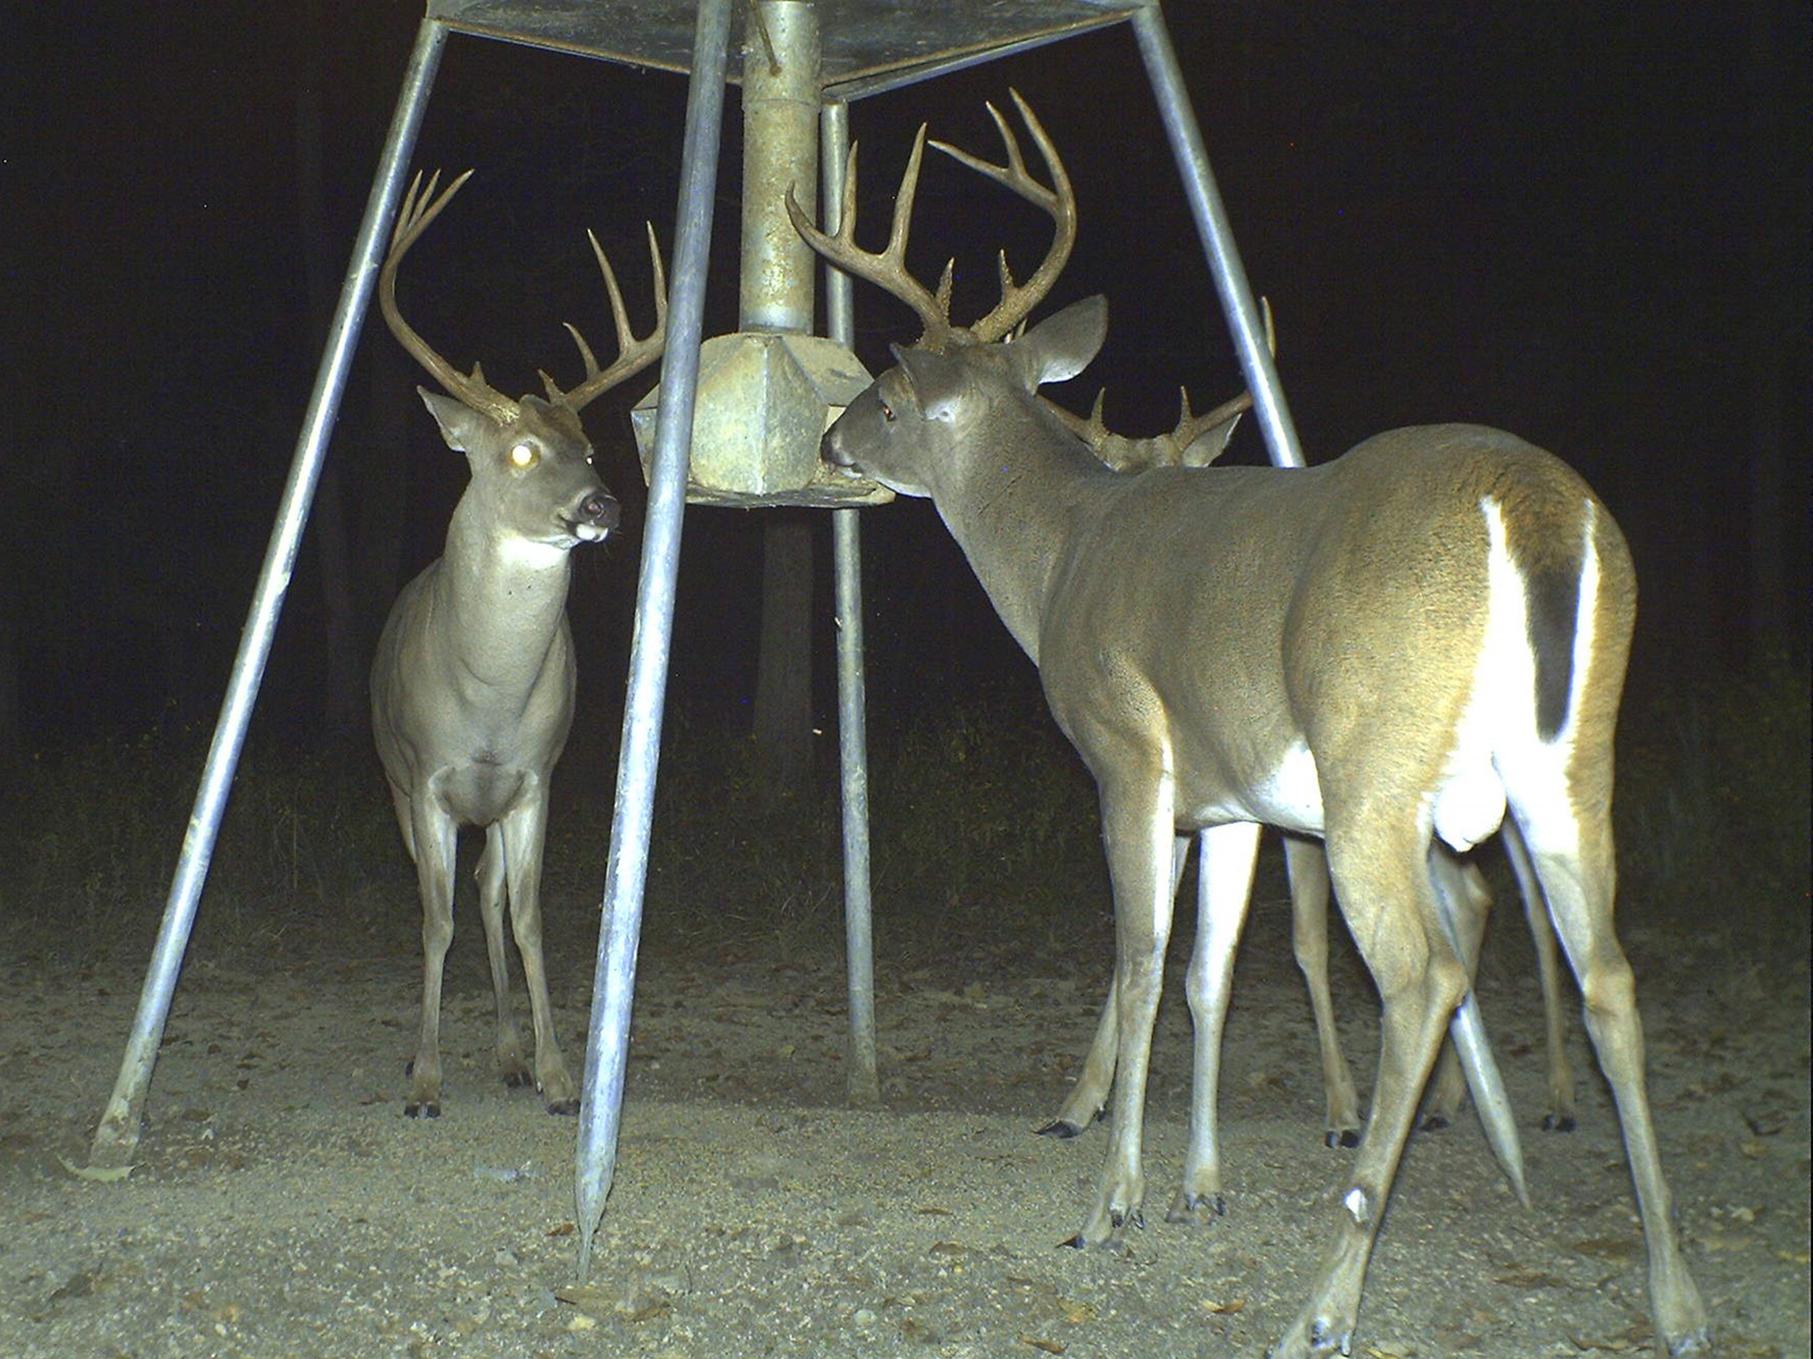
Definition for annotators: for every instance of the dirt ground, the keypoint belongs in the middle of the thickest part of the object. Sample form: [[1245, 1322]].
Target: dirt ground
[[282, 1204]]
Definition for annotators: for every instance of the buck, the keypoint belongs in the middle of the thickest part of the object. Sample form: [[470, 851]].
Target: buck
[[1196, 441], [1391, 648], [472, 687]]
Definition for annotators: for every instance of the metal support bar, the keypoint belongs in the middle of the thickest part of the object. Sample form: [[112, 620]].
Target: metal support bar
[[863, 1084], [780, 149], [1217, 237], [116, 1139], [626, 875]]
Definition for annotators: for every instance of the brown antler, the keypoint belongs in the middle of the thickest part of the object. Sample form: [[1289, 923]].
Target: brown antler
[[633, 355], [418, 212], [1059, 200], [1163, 450], [886, 269]]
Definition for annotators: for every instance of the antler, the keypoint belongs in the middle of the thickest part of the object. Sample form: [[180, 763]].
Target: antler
[[1059, 200], [633, 355], [417, 214], [1163, 450], [887, 269]]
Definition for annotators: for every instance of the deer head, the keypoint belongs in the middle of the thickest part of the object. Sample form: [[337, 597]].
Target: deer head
[[932, 386], [531, 462]]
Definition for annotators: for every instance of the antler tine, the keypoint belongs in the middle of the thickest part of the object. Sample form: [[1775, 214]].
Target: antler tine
[[1058, 200], [887, 269], [417, 215], [633, 354]]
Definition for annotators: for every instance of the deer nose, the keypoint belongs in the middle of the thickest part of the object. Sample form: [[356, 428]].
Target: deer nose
[[832, 450], [600, 509]]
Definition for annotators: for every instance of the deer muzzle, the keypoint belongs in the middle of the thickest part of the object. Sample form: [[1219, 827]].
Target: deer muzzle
[[595, 516]]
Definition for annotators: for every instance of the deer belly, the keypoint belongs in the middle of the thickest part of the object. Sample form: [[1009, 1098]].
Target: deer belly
[[480, 793], [1288, 796]]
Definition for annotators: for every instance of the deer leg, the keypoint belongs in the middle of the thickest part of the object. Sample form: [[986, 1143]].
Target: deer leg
[[1463, 886], [1224, 886], [1306, 865], [510, 1063], [1560, 1116], [1382, 882], [1575, 865], [1089, 1096], [524, 829], [1137, 830], [432, 840]]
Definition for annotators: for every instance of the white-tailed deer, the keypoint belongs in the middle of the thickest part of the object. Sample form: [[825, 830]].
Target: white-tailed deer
[[1386, 649], [1196, 441], [472, 686]]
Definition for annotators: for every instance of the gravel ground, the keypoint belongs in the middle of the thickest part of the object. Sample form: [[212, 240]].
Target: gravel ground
[[282, 1205]]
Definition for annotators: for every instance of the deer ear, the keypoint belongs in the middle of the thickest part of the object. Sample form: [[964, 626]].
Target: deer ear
[[461, 426], [1209, 445], [938, 380], [1061, 346]]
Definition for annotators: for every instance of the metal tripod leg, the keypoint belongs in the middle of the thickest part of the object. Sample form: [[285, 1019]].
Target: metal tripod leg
[[116, 1139], [1217, 237], [863, 1082], [614, 979]]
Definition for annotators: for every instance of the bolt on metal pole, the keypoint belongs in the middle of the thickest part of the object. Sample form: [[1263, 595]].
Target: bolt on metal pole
[[1217, 236], [863, 1084], [626, 875], [116, 1139]]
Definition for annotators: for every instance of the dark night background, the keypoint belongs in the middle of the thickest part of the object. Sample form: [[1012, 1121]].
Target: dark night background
[[1585, 223]]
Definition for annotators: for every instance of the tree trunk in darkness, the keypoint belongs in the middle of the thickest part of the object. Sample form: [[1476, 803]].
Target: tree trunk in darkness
[[783, 688], [343, 715], [12, 729], [1773, 323]]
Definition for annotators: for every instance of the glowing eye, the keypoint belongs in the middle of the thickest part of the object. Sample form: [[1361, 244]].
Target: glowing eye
[[523, 455], [887, 412]]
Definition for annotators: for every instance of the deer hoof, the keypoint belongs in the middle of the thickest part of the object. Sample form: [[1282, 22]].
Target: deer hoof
[[568, 1107], [1342, 1137], [426, 1109], [1187, 1207], [1433, 1122], [516, 1080], [1558, 1123], [1059, 1128]]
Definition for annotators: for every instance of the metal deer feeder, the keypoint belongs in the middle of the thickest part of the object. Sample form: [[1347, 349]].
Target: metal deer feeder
[[736, 419]]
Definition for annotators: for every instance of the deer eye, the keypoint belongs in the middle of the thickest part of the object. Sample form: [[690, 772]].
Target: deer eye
[[523, 455], [887, 412]]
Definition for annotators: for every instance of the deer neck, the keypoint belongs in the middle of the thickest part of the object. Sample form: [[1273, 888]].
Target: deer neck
[[1013, 494], [504, 598]]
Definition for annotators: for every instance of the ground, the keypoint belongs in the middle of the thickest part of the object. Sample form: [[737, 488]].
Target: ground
[[282, 1204]]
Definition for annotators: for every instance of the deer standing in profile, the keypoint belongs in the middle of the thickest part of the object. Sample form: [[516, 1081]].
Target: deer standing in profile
[[472, 686], [1196, 441], [1394, 647]]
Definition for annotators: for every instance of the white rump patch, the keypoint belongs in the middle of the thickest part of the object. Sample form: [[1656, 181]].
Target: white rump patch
[[1469, 802], [1497, 751], [1535, 770]]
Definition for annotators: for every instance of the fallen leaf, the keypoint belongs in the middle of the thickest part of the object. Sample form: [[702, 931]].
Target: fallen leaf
[[1228, 1308], [1607, 1247], [101, 1174], [1049, 1346]]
